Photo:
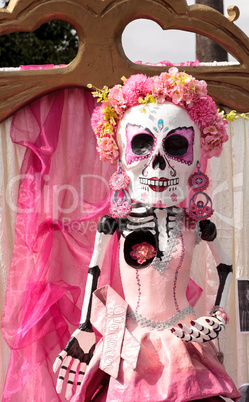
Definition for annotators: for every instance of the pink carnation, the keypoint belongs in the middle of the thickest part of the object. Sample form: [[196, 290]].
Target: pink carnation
[[133, 88], [97, 119], [203, 112]]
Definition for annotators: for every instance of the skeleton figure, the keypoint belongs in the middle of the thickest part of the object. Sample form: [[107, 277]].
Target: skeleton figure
[[160, 147]]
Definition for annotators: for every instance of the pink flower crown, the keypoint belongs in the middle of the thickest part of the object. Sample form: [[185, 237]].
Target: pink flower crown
[[172, 86]]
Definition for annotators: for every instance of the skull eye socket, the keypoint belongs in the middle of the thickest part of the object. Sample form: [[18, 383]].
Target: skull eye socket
[[142, 144], [179, 144], [175, 145]]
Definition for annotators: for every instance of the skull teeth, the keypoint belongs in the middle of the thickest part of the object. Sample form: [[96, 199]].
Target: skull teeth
[[159, 183]]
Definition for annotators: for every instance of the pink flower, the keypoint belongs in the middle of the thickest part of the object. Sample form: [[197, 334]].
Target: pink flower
[[201, 89], [97, 119], [133, 88], [142, 252], [203, 112], [155, 86], [211, 146], [108, 149], [117, 99], [215, 152], [173, 70], [210, 130], [177, 97]]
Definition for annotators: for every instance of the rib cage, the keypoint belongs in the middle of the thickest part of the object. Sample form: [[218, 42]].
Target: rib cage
[[141, 218]]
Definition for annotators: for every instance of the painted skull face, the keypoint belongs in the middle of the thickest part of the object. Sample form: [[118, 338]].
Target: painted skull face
[[159, 149]]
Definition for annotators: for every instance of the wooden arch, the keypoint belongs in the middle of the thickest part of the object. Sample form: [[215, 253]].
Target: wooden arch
[[101, 60]]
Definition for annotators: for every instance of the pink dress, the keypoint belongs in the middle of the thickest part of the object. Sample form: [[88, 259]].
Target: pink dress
[[167, 368]]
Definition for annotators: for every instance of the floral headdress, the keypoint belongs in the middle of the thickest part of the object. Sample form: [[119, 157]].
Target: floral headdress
[[172, 86]]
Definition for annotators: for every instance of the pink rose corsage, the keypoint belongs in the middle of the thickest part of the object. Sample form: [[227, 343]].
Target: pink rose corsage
[[142, 252]]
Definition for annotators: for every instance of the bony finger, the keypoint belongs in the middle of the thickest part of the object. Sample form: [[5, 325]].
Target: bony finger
[[56, 364], [186, 337], [69, 390], [197, 339], [58, 361], [184, 328], [194, 332], [73, 371], [62, 373], [81, 374], [204, 329], [196, 325], [189, 330], [200, 337], [216, 325], [177, 332], [61, 378], [59, 384], [71, 378]]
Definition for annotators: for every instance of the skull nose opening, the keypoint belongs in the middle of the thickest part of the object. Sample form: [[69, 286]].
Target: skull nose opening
[[159, 162]]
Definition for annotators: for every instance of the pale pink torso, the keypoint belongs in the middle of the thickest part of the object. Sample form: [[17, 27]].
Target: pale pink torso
[[152, 294]]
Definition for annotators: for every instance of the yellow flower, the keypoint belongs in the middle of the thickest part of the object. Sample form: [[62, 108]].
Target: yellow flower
[[101, 94], [231, 116], [245, 116], [148, 99]]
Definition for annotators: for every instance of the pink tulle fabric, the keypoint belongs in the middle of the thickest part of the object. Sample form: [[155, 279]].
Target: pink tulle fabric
[[57, 214], [53, 237]]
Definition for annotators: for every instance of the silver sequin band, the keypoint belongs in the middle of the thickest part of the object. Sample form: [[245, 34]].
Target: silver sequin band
[[160, 325]]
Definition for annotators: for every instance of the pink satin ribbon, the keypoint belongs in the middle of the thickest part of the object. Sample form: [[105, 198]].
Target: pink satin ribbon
[[109, 317]]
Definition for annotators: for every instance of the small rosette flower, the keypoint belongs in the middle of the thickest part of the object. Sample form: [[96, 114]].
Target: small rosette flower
[[108, 149], [142, 252]]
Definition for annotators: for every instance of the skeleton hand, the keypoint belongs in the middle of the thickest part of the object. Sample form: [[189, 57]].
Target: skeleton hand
[[203, 329], [74, 359]]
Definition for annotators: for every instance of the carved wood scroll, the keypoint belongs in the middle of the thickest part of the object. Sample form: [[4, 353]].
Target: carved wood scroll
[[101, 59]]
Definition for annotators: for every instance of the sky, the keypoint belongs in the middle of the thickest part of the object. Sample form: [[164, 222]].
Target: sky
[[145, 40]]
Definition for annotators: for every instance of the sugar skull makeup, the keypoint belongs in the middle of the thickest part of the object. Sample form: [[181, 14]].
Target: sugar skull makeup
[[159, 148]]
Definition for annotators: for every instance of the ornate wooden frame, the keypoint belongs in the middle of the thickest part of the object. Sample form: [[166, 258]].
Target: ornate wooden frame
[[101, 60]]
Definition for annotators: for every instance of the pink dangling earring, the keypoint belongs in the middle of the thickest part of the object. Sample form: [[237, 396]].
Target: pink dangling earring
[[120, 201], [200, 204]]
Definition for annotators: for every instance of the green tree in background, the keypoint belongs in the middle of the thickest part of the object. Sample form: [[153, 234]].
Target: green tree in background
[[53, 43]]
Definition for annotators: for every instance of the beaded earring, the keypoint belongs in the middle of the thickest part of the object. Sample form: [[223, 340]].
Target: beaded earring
[[200, 204], [120, 201]]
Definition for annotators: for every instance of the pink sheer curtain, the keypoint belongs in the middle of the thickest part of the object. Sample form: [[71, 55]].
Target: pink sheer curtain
[[62, 185]]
